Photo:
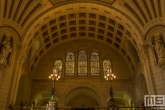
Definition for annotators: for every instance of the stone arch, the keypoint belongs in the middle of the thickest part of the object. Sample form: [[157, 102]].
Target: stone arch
[[125, 91], [82, 96], [42, 97], [13, 33], [103, 38], [122, 98], [151, 29], [44, 89], [154, 30], [8, 28], [82, 84]]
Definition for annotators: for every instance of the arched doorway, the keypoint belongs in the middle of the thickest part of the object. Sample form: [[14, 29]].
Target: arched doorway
[[82, 97], [42, 98], [123, 100]]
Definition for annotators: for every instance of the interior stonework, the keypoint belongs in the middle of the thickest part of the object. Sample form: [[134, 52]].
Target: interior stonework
[[36, 33]]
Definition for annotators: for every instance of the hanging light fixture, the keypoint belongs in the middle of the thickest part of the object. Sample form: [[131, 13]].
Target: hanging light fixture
[[109, 76], [54, 77]]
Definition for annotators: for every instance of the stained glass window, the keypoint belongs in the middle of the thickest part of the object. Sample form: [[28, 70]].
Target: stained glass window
[[106, 66], [82, 63], [94, 61], [70, 63], [58, 65]]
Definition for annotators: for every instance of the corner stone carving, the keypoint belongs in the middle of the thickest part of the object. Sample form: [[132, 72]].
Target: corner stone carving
[[159, 49], [5, 49]]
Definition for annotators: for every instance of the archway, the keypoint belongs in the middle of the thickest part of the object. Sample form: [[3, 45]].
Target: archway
[[42, 98], [82, 97], [123, 100]]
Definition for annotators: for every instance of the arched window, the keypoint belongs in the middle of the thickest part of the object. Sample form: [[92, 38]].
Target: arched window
[[82, 63], [70, 64], [94, 61], [106, 65], [58, 65]]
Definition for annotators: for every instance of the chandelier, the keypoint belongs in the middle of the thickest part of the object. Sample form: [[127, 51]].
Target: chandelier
[[55, 76], [109, 76]]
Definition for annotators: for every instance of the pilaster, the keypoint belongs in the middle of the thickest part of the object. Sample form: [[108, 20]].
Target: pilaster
[[16, 74], [146, 66]]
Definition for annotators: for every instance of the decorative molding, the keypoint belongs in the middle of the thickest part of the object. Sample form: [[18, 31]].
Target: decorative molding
[[1, 27], [151, 31], [55, 2], [134, 13]]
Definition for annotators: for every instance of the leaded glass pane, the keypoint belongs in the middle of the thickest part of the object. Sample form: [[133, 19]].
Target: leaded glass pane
[[58, 65], [70, 64], [95, 67], [106, 65], [82, 63]]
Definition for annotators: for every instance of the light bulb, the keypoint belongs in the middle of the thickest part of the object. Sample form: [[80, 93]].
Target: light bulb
[[110, 71]]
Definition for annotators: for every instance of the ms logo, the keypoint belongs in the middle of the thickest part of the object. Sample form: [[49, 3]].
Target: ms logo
[[154, 100]]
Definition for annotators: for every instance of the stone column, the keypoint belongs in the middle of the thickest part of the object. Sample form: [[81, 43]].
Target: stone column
[[18, 60], [146, 66]]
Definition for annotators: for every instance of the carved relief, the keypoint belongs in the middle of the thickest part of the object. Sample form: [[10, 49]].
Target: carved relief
[[6, 48], [159, 47]]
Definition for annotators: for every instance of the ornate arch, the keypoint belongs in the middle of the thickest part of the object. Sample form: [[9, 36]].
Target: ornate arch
[[126, 91], [81, 84], [12, 30], [42, 89]]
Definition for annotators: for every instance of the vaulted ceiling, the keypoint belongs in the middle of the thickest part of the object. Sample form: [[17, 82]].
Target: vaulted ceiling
[[117, 23]]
